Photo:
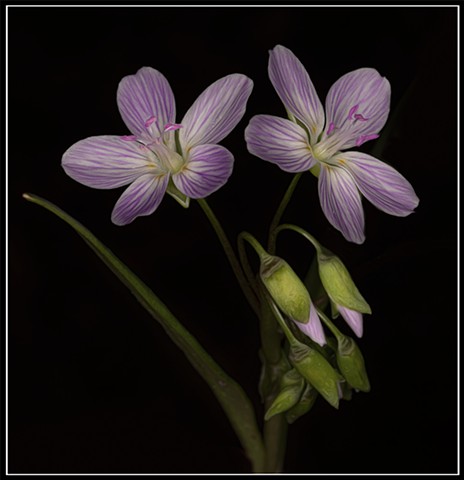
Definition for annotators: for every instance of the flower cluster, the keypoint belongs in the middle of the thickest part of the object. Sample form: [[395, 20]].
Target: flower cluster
[[184, 160]]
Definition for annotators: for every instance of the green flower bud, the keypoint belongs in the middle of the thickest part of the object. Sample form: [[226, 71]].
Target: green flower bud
[[291, 388], [351, 364], [316, 370], [338, 282], [285, 288], [307, 400]]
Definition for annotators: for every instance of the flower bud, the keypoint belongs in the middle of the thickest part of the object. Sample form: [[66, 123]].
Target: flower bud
[[338, 282], [316, 370], [285, 288], [351, 364], [307, 400], [291, 388]]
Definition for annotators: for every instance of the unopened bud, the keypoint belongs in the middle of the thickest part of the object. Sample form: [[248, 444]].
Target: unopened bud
[[338, 283], [316, 370], [307, 400], [291, 388], [285, 288], [351, 364]]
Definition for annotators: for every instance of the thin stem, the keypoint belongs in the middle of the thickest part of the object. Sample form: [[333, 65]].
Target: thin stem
[[275, 441], [283, 324], [254, 243], [276, 428], [338, 335], [245, 263], [280, 210], [304, 233], [229, 251]]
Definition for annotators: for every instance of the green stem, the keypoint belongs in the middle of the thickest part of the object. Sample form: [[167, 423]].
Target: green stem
[[275, 441], [275, 429], [275, 435], [229, 393], [283, 324], [337, 334], [254, 243], [279, 212], [245, 263], [304, 233], [229, 251]]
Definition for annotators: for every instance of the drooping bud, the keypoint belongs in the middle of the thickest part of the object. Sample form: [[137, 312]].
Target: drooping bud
[[351, 364], [291, 388], [338, 282], [316, 370], [307, 400], [285, 288]]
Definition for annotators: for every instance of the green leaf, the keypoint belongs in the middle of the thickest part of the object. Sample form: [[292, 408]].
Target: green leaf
[[229, 393]]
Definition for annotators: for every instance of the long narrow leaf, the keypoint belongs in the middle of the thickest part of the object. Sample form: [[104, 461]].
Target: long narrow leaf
[[230, 395]]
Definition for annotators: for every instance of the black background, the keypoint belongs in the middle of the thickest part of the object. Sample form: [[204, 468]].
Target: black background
[[94, 384]]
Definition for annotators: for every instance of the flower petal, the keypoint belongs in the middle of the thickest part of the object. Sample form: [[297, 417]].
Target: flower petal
[[294, 87], [280, 141], [353, 319], [341, 202], [381, 184], [146, 97], [313, 329], [207, 169], [142, 197], [357, 107], [216, 112], [106, 161]]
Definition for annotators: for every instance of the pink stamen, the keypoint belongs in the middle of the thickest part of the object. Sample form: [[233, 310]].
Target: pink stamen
[[352, 112], [128, 138], [365, 138], [150, 121], [358, 116], [331, 128], [172, 126]]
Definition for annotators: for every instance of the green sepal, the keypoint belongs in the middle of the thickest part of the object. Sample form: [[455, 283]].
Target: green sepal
[[177, 195], [271, 375], [338, 283], [307, 400], [350, 361], [315, 288], [316, 370], [291, 388], [334, 310], [285, 288]]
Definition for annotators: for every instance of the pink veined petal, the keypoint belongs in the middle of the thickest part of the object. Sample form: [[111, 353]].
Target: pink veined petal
[[381, 184], [357, 106], [207, 169], [353, 319], [146, 103], [141, 198], [279, 141], [296, 90], [216, 112], [107, 161], [313, 329], [341, 202]]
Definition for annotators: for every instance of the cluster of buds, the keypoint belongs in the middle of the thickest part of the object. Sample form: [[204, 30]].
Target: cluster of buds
[[330, 367]]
